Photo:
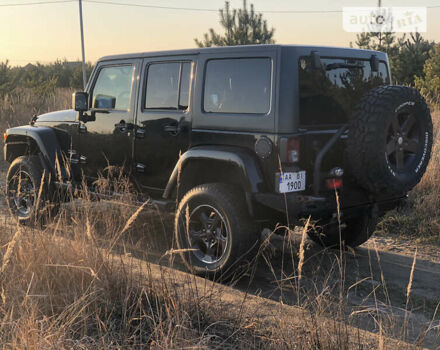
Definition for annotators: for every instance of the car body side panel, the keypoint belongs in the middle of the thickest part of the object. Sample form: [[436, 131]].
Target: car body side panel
[[248, 172]]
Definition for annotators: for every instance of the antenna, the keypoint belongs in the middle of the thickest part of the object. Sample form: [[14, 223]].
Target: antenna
[[82, 46]]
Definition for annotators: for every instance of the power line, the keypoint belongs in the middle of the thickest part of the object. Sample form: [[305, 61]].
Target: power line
[[151, 6], [104, 2], [36, 3], [196, 9]]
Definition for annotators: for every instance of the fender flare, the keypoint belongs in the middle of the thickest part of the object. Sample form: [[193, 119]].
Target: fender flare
[[44, 138], [249, 174]]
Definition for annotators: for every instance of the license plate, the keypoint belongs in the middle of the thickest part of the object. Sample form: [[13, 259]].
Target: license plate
[[292, 182]]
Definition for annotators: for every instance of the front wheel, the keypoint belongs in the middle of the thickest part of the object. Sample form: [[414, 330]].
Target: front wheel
[[353, 231], [213, 230], [27, 194]]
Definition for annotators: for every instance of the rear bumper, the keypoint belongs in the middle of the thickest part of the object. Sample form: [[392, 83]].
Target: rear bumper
[[297, 206]]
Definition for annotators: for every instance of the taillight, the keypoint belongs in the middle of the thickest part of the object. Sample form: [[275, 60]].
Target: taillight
[[292, 152], [333, 184]]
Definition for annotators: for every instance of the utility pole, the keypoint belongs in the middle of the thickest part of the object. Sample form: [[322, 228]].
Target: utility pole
[[379, 5], [82, 46]]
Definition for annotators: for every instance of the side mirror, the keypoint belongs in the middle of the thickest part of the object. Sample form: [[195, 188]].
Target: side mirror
[[80, 101], [315, 60]]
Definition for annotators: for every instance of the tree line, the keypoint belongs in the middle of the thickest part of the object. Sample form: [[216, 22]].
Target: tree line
[[414, 60], [43, 79]]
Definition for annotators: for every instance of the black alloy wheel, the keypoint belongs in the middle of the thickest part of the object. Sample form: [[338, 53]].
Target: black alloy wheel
[[29, 197], [22, 194], [404, 141], [208, 234]]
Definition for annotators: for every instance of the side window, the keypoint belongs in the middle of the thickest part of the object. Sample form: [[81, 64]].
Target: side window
[[185, 86], [168, 86], [239, 85], [112, 89]]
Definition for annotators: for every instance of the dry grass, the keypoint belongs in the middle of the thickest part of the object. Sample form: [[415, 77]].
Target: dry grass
[[18, 107], [61, 289], [65, 287]]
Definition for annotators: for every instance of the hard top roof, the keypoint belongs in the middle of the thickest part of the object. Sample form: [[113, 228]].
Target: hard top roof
[[238, 48]]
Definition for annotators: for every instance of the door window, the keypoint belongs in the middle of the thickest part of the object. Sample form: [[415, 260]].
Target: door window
[[168, 86], [112, 89], [185, 85]]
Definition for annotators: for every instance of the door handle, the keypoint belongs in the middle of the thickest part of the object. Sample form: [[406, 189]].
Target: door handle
[[122, 126], [140, 133]]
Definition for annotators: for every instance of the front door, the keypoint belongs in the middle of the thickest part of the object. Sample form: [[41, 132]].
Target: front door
[[163, 120], [107, 141]]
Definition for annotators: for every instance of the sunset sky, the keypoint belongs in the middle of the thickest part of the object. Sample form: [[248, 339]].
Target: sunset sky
[[47, 32]]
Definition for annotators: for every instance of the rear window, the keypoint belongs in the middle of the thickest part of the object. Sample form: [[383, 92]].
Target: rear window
[[241, 85], [328, 96]]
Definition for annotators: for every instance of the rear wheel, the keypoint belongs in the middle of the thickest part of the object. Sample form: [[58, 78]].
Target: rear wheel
[[27, 196], [353, 231], [214, 231]]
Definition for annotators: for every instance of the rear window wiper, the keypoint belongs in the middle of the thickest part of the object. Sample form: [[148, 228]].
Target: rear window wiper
[[343, 65]]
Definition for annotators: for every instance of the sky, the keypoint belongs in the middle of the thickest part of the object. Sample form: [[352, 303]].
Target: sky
[[44, 33]]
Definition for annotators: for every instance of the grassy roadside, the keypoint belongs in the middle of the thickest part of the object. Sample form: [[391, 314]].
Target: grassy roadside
[[63, 287]]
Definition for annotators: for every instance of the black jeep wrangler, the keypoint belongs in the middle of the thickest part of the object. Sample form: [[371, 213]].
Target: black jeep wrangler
[[242, 138]]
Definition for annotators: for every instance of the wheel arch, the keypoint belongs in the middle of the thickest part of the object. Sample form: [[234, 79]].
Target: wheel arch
[[209, 164], [30, 140]]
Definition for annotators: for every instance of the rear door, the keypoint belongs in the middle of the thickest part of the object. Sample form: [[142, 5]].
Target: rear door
[[108, 139], [163, 119]]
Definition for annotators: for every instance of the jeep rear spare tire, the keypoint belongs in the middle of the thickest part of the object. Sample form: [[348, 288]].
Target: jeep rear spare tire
[[390, 140]]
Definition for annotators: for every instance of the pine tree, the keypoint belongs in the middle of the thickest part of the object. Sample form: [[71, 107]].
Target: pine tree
[[429, 84], [242, 27], [407, 54], [413, 53], [377, 41]]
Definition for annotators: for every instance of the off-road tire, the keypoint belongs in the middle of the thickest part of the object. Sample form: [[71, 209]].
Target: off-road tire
[[355, 230], [44, 204], [378, 127], [243, 238]]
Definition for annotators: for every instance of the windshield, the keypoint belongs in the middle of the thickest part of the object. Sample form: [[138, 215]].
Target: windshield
[[329, 95]]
